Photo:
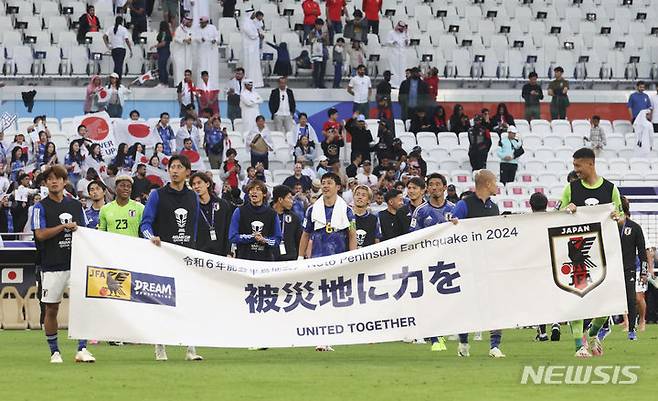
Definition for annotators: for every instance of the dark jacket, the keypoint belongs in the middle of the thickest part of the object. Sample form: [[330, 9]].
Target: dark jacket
[[362, 36], [361, 137], [84, 27], [275, 101], [222, 211], [423, 93], [291, 231]]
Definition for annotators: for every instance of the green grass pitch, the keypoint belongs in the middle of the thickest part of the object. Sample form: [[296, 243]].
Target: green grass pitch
[[377, 372]]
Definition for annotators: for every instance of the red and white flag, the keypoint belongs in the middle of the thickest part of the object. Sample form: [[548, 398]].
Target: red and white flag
[[195, 159], [156, 176], [146, 77], [103, 95], [99, 130], [12, 275], [131, 132]]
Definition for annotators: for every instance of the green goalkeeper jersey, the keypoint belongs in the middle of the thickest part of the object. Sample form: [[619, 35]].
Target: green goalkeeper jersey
[[121, 219]]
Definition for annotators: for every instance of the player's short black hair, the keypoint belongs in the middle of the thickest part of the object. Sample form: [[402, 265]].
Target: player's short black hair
[[437, 176], [332, 176], [280, 191], [417, 181], [538, 202], [584, 153], [182, 159]]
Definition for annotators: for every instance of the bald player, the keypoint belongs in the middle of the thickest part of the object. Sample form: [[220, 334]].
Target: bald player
[[479, 204]]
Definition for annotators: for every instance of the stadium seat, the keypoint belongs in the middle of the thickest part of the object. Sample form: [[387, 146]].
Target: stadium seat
[[630, 140], [560, 127], [544, 154], [553, 141], [427, 140], [564, 153], [459, 154], [627, 153], [516, 189], [461, 176], [615, 141], [555, 166], [532, 141], [448, 140], [534, 166], [639, 165], [506, 204], [574, 141], [32, 309], [540, 127], [618, 166], [408, 140], [523, 126], [581, 127], [11, 304], [437, 155], [622, 126], [547, 178]]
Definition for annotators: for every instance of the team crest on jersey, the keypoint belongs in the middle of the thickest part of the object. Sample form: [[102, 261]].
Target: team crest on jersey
[[132, 213], [577, 257]]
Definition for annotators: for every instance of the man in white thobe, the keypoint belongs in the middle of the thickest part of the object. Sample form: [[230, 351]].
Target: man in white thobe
[[197, 10], [643, 133], [252, 34], [183, 49], [250, 102], [207, 39], [398, 40]]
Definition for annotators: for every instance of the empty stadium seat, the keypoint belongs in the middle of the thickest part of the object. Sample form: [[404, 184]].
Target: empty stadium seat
[[540, 127], [622, 126], [11, 304], [553, 141], [32, 309], [560, 127], [581, 127]]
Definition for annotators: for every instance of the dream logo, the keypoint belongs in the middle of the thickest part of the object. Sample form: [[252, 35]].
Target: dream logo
[[130, 286], [577, 257]]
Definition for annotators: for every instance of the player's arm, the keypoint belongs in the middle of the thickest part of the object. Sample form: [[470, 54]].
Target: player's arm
[[275, 239], [565, 200], [148, 218], [351, 233], [616, 200], [234, 231], [41, 232], [459, 212]]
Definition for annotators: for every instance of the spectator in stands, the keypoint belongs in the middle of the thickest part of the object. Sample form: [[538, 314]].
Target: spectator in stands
[[73, 162], [479, 139], [312, 12], [232, 173], [117, 39], [39, 146], [502, 119], [361, 135], [122, 161], [508, 152], [372, 8], [91, 95], [138, 18], [259, 142], [335, 11], [532, 94], [141, 185], [643, 133], [282, 106], [397, 40], [228, 8], [215, 217], [638, 100], [333, 141], [253, 33], [117, 96], [379, 204], [255, 227], [163, 49], [250, 102], [187, 93], [305, 151], [421, 122], [357, 56], [214, 139], [394, 220], [457, 121], [451, 194], [88, 22], [171, 8], [439, 117], [91, 175], [352, 170], [282, 65], [119, 6], [188, 130], [558, 89], [49, 157], [207, 41], [22, 194], [233, 94], [415, 160], [96, 193], [319, 40], [597, 139], [298, 178], [384, 86], [366, 177], [359, 87], [166, 134], [357, 28], [413, 94], [323, 166], [486, 119], [183, 50], [134, 115], [303, 128], [432, 80], [338, 58]]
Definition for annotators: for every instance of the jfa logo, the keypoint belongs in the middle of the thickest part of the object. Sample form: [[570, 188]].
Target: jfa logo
[[575, 374], [577, 257]]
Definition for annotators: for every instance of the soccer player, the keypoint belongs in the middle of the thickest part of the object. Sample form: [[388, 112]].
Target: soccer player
[[538, 204], [589, 189], [122, 215], [632, 248], [437, 209], [212, 231], [415, 195], [96, 191], [255, 227], [368, 231], [172, 215], [291, 226], [394, 220], [54, 219], [329, 225], [479, 204]]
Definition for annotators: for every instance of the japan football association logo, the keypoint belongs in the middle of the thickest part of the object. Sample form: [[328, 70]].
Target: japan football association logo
[[577, 257]]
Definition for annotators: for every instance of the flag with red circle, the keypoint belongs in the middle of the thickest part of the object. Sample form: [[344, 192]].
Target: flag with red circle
[[99, 130], [131, 132], [12, 275], [195, 159]]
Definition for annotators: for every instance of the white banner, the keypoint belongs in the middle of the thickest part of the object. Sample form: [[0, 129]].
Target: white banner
[[99, 130], [131, 132], [481, 274]]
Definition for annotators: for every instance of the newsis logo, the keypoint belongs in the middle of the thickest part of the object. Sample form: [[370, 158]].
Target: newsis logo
[[130, 286], [580, 374]]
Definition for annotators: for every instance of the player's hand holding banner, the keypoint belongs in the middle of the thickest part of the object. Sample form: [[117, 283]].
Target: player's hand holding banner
[[480, 274]]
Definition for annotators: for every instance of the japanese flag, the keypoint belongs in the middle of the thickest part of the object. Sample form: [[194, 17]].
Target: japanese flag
[[12, 276], [156, 176], [195, 159], [131, 132], [146, 77], [103, 95]]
